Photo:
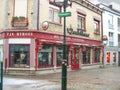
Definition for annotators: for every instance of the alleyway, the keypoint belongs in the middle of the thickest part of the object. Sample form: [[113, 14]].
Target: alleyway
[[107, 78]]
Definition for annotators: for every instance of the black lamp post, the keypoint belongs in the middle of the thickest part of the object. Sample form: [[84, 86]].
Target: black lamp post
[[1, 75], [64, 14]]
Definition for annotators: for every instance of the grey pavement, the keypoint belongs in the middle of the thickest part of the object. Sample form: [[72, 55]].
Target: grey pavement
[[107, 78]]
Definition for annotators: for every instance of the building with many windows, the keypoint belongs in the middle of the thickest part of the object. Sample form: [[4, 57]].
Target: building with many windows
[[29, 46], [111, 28]]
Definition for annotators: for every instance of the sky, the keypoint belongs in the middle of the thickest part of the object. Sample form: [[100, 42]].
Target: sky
[[108, 1], [105, 1]]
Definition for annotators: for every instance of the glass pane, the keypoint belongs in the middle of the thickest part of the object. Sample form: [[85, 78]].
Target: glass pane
[[56, 18], [45, 56], [50, 15], [97, 55], [21, 8], [19, 56], [59, 55]]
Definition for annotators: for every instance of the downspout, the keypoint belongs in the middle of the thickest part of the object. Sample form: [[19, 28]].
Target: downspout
[[38, 10], [103, 55]]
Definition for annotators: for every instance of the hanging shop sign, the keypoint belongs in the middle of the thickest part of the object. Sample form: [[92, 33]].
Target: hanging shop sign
[[105, 39], [78, 32], [45, 25]]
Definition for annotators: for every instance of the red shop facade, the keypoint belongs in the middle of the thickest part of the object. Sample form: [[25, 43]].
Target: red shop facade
[[35, 50]]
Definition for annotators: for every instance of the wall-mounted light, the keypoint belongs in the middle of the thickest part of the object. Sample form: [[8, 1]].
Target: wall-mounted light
[[8, 13], [31, 13]]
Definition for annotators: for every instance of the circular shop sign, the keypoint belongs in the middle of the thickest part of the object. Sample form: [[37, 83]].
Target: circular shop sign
[[45, 25], [104, 38]]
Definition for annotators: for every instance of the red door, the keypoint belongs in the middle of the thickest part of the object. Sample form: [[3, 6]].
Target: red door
[[75, 59]]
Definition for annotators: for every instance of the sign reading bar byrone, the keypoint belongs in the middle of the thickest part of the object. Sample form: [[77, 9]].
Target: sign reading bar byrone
[[78, 32]]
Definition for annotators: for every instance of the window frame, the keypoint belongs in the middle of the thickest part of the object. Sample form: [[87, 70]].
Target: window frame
[[54, 9], [83, 23], [110, 22], [47, 50], [11, 56], [118, 24], [15, 7], [111, 39], [96, 55], [97, 29]]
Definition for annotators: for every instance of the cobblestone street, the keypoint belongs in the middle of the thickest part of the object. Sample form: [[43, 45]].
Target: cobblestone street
[[107, 78]]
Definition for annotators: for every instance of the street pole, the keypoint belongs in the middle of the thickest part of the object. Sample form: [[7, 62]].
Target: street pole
[[1, 74], [64, 62]]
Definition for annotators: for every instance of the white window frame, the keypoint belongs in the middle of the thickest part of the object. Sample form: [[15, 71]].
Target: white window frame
[[110, 21], [119, 24], [54, 18], [81, 23], [111, 39], [20, 8]]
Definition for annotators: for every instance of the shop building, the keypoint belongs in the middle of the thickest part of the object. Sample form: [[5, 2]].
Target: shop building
[[111, 29], [28, 48]]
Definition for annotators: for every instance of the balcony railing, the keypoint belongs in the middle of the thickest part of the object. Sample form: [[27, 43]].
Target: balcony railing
[[19, 22]]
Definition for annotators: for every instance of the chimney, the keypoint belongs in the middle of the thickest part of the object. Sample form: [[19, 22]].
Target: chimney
[[110, 6]]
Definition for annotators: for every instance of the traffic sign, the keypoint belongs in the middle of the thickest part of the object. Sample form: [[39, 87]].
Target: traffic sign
[[64, 14]]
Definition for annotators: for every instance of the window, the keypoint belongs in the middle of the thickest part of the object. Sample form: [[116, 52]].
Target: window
[[118, 40], [53, 14], [119, 24], [19, 56], [111, 40], [86, 55], [45, 56], [81, 22], [114, 57], [108, 57], [59, 55], [97, 55], [110, 21], [20, 11], [96, 26]]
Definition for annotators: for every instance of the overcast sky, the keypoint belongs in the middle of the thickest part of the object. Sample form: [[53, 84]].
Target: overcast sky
[[105, 1], [108, 1]]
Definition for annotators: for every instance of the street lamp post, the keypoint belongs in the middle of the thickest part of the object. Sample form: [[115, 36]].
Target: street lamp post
[[64, 14], [64, 62], [1, 75]]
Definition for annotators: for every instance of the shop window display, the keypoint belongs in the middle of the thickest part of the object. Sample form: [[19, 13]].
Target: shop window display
[[86, 55], [59, 55], [19, 56], [114, 57], [45, 56], [97, 55]]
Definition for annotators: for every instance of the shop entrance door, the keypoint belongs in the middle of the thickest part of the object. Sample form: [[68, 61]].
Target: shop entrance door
[[75, 59]]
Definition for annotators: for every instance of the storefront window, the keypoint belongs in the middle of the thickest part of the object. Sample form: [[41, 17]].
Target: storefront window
[[45, 56], [97, 55], [108, 57], [114, 57], [19, 56], [86, 55], [59, 55]]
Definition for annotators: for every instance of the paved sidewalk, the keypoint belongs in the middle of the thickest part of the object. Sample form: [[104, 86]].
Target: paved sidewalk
[[107, 78]]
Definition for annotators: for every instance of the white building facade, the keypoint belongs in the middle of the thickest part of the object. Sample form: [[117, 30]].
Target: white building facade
[[111, 29]]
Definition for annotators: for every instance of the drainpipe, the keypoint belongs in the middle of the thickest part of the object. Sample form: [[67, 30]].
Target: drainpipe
[[38, 8]]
